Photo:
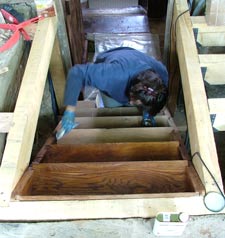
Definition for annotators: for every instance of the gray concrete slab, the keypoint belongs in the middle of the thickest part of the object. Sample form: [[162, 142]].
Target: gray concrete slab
[[212, 226]]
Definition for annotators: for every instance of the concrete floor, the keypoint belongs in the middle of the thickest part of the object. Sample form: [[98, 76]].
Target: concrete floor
[[199, 226]]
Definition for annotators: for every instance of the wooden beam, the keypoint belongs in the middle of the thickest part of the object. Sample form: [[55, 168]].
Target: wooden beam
[[20, 138], [5, 121], [63, 36], [145, 207], [215, 64], [199, 124], [58, 74], [167, 37]]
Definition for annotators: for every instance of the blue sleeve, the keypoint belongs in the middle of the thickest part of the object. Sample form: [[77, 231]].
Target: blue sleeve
[[75, 82], [107, 77]]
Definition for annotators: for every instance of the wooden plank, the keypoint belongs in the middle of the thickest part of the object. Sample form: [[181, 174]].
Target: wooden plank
[[100, 197], [216, 105], [215, 64], [219, 122], [173, 67], [20, 137], [81, 136], [134, 10], [110, 208], [198, 21], [100, 112], [167, 36], [6, 119], [117, 122], [215, 12], [116, 24], [109, 178], [58, 74], [86, 104], [74, 22], [207, 59], [63, 37], [211, 35], [142, 151], [199, 124]]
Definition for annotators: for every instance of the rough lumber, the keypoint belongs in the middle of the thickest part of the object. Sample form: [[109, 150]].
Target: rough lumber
[[215, 12], [215, 64], [105, 208], [58, 74], [198, 21], [20, 137], [216, 105], [81, 136], [100, 112], [62, 35], [117, 122], [5, 121], [199, 124], [211, 35]]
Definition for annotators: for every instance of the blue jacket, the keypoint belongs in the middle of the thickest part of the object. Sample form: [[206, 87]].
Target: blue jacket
[[111, 73]]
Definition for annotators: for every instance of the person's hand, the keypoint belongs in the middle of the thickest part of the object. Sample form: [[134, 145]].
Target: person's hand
[[68, 121], [148, 120]]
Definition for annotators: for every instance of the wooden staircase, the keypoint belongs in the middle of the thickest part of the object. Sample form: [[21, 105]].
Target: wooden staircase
[[109, 167], [110, 156]]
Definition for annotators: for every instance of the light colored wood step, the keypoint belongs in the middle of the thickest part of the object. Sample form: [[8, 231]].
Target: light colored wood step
[[84, 136], [117, 122]]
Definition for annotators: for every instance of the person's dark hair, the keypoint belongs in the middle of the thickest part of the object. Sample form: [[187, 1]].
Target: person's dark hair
[[149, 88]]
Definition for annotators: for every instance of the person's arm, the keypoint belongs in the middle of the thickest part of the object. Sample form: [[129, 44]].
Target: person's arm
[[75, 81]]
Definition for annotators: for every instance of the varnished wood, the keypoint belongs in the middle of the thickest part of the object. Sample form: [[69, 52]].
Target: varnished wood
[[25, 184], [74, 22], [142, 151], [116, 24], [82, 136], [102, 197], [110, 178], [194, 181]]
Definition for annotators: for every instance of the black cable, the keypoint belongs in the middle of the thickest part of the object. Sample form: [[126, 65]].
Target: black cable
[[199, 156], [175, 24]]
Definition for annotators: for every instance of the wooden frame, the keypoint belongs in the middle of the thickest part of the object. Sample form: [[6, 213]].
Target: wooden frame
[[199, 124], [20, 138], [21, 134]]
